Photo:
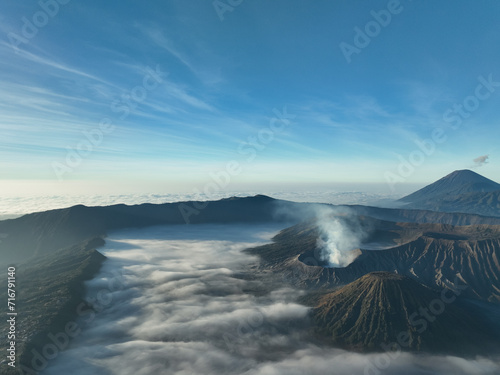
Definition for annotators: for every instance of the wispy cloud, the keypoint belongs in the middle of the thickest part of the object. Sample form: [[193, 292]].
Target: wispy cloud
[[207, 74], [480, 161], [54, 64]]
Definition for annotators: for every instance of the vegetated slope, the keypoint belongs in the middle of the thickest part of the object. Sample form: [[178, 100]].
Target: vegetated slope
[[43, 232], [382, 308], [48, 291]]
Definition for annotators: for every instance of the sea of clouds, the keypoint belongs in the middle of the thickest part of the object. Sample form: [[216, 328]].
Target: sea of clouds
[[186, 300]]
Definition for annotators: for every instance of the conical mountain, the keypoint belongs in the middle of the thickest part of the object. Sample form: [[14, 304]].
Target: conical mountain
[[456, 183], [382, 308]]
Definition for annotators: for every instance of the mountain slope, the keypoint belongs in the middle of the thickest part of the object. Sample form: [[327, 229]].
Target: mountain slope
[[461, 191], [435, 255], [456, 183], [487, 203], [382, 308], [48, 293], [40, 233]]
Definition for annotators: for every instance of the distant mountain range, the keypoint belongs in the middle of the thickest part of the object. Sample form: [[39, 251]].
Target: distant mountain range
[[41, 233], [461, 191]]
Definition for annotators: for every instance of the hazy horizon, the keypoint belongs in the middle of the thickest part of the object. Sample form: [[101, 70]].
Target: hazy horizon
[[14, 205]]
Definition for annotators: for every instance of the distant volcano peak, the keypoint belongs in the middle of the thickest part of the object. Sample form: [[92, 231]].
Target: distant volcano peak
[[456, 183], [466, 175]]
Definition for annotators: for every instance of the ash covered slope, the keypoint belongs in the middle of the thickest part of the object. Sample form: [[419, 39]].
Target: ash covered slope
[[436, 255], [436, 260], [375, 297], [460, 191], [382, 308]]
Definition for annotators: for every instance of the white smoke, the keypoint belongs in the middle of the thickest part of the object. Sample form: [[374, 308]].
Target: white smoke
[[341, 234]]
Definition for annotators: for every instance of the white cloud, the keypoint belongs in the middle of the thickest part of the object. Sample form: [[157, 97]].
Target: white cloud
[[189, 306]]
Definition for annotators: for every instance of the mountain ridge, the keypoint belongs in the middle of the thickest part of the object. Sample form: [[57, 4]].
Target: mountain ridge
[[460, 191], [435, 255], [381, 308], [40, 233]]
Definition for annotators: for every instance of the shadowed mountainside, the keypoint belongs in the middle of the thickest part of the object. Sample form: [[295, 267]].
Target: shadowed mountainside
[[460, 191], [48, 292], [436, 255], [456, 183], [381, 308], [43, 232], [483, 203]]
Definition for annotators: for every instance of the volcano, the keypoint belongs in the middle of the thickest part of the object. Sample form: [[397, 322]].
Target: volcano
[[461, 191], [383, 310], [456, 183]]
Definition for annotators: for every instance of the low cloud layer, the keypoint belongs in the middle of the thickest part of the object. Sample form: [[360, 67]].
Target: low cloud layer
[[187, 302]]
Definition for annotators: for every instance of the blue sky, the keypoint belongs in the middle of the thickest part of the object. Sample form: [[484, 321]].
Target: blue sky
[[227, 76]]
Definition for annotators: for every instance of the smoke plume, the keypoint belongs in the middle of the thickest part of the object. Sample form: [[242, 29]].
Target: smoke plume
[[340, 234]]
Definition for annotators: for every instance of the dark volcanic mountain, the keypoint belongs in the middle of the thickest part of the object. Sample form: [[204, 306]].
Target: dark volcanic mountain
[[483, 203], [49, 291], [41, 233], [436, 255], [456, 183], [381, 308], [460, 191], [431, 287]]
